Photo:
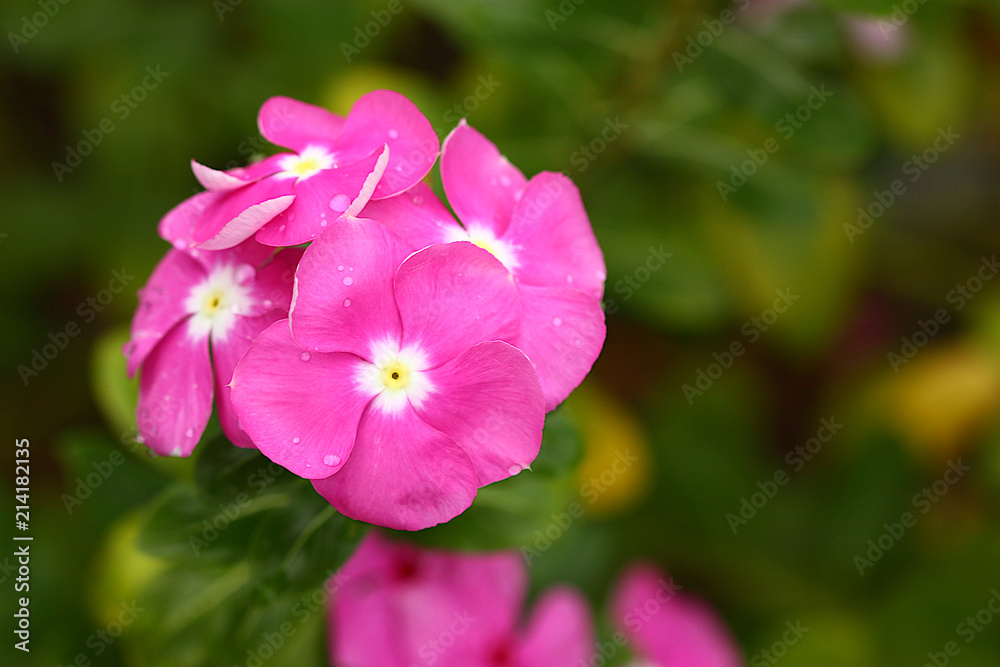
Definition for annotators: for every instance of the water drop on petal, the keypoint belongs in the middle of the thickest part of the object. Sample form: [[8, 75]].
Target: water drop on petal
[[514, 469], [340, 202], [296, 440], [348, 280], [340, 268], [556, 321], [331, 459], [189, 433], [393, 134], [347, 302], [305, 356]]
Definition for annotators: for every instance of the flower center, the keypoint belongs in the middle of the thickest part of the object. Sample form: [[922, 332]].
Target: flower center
[[309, 162], [394, 377], [487, 240], [216, 302]]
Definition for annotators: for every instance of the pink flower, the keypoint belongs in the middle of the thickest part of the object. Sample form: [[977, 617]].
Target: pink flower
[[667, 628], [384, 146], [399, 606], [389, 386], [195, 301], [540, 232]]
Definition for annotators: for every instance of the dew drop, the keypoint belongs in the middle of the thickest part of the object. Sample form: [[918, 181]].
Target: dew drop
[[309, 465], [322, 223], [296, 440], [348, 280], [281, 228], [331, 459], [347, 302], [418, 200], [557, 321], [340, 202], [577, 342], [305, 356], [514, 469], [569, 278], [189, 433], [393, 134], [505, 180], [340, 268]]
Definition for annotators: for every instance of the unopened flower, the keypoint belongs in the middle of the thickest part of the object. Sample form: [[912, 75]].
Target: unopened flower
[[197, 315]]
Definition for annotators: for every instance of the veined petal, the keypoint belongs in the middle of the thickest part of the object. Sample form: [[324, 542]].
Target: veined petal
[[161, 304], [679, 630], [293, 124], [562, 332], [417, 216], [488, 399], [555, 244], [386, 117], [226, 353], [402, 474], [481, 185], [452, 296], [323, 198], [175, 393], [235, 215], [560, 631], [343, 298], [301, 409]]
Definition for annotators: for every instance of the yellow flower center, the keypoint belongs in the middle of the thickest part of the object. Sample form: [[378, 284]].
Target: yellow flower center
[[396, 375]]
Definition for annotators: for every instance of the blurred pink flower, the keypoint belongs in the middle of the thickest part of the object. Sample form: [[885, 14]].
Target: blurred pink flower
[[667, 628], [400, 606]]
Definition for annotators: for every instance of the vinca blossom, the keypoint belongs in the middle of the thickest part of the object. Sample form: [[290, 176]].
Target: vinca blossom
[[667, 628], [390, 385], [197, 315], [540, 232], [398, 605], [383, 146]]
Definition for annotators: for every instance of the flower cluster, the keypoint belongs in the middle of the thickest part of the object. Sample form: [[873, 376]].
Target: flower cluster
[[397, 605], [404, 358]]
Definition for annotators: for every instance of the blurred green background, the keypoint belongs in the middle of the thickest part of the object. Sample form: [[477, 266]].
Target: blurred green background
[[841, 153]]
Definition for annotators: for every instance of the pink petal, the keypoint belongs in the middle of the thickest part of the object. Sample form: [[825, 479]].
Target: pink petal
[[175, 393], [249, 252], [488, 399], [226, 353], [324, 197], [386, 117], [272, 286], [161, 304], [417, 216], [668, 627], [555, 245], [402, 474], [235, 215], [481, 185], [560, 631], [301, 409], [343, 299], [562, 332], [453, 296], [213, 179], [395, 598], [178, 225], [293, 124]]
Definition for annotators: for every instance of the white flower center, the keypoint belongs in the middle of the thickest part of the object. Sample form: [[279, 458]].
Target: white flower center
[[395, 377], [309, 162], [217, 301], [487, 240]]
